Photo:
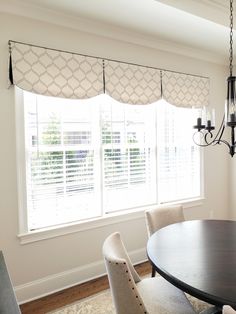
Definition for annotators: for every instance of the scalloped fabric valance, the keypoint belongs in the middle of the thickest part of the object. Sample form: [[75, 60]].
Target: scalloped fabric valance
[[132, 84], [55, 73], [184, 90], [64, 74]]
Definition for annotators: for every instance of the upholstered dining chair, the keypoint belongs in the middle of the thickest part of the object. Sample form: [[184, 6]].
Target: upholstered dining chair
[[133, 295], [228, 310], [160, 217]]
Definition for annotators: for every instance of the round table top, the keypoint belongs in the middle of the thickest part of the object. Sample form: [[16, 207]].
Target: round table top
[[199, 257]]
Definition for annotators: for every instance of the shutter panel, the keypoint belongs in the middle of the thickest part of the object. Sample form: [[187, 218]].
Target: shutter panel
[[178, 157], [84, 161], [61, 181], [128, 146]]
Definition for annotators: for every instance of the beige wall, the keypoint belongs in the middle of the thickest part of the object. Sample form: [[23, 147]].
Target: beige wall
[[43, 266]]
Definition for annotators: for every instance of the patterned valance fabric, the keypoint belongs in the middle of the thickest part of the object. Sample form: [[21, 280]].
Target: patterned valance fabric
[[63, 74], [132, 84], [55, 73], [183, 90]]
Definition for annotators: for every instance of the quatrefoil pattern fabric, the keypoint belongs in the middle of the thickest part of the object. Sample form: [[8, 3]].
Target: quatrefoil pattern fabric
[[63, 74], [55, 73], [185, 90], [132, 84]]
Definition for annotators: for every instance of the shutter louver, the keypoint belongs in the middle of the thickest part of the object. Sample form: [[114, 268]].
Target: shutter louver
[[61, 181], [178, 157], [129, 178], [87, 160]]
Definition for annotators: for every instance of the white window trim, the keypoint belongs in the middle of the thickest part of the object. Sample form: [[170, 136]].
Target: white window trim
[[20, 161], [62, 230], [26, 236]]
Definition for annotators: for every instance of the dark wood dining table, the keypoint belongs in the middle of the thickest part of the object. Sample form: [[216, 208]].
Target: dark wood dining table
[[198, 257]]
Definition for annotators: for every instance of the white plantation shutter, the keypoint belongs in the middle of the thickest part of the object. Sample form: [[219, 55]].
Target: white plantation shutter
[[61, 150], [178, 157], [128, 146], [86, 161]]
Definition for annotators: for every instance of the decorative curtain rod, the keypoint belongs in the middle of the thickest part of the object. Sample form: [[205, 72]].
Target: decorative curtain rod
[[100, 58]]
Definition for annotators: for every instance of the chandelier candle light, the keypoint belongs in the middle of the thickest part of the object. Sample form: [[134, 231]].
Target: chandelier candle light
[[206, 121]]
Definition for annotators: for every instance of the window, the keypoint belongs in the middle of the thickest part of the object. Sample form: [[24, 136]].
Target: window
[[88, 158]]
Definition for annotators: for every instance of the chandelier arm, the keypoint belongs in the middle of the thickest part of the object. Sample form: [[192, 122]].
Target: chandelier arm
[[217, 137], [231, 147], [222, 128], [203, 136], [213, 142], [220, 132], [206, 135], [223, 142]]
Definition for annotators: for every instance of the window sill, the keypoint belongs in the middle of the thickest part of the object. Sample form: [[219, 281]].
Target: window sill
[[110, 219]]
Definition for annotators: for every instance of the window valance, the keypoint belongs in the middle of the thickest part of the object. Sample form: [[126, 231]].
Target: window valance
[[55, 73], [132, 84], [70, 75], [184, 90]]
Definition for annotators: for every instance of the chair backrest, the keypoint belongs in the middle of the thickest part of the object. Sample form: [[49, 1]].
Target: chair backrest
[[122, 277], [228, 310], [163, 216]]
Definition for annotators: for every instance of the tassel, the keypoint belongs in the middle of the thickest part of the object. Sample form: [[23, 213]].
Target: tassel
[[10, 66], [104, 76], [161, 85]]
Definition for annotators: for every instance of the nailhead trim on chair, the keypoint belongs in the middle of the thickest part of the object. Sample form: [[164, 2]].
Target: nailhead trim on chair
[[129, 280]]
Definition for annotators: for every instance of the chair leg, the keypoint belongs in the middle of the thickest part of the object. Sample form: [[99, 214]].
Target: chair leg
[[153, 272]]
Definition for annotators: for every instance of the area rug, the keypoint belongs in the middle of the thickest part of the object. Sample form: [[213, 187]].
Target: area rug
[[101, 303]]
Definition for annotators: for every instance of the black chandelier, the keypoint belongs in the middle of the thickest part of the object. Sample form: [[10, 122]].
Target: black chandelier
[[205, 122]]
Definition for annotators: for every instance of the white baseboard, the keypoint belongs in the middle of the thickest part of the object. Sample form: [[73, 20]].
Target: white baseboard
[[51, 284]]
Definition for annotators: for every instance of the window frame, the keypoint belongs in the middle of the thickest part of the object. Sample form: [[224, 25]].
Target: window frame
[[27, 236]]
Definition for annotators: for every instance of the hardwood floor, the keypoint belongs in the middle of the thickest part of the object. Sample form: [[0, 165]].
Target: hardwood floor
[[73, 294]]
